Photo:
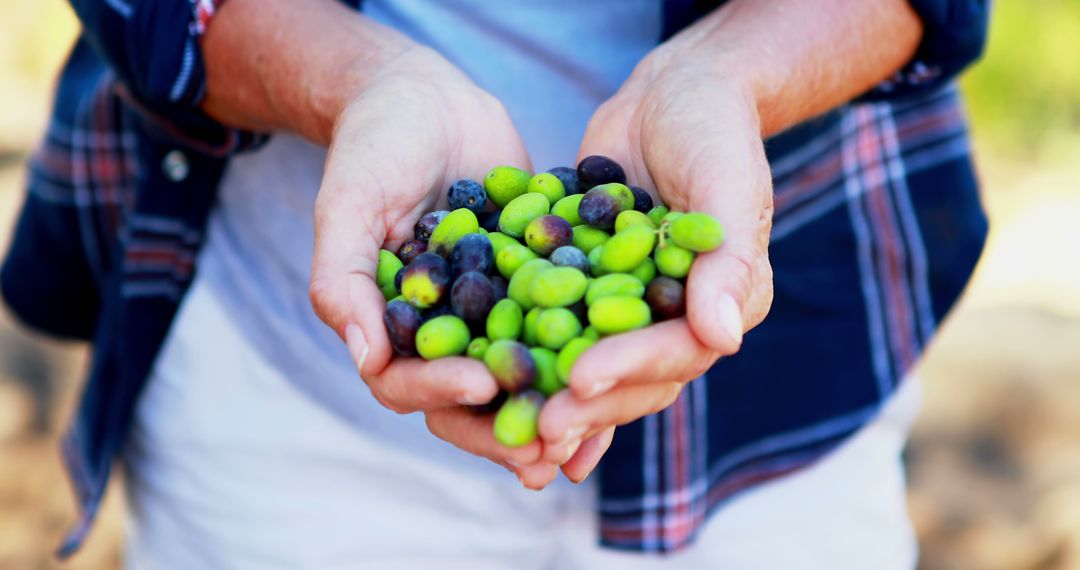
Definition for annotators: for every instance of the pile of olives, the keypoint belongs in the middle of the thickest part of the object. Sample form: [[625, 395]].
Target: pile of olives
[[527, 272]]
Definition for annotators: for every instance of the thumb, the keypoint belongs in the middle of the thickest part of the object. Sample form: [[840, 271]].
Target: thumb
[[356, 209], [729, 290], [343, 290], [718, 297], [352, 306]]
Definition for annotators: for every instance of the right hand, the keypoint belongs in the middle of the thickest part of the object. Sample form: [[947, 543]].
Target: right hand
[[396, 148]]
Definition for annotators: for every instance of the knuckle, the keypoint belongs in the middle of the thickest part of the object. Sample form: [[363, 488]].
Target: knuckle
[[765, 219], [666, 394], [389, 402], [768, 209], [520, 455], [436, 427], [397, 408], [760, 298], [495, 106], [433, 426], [746, 259], [441, 426], [320, 295], [702, 363], [672, 394]]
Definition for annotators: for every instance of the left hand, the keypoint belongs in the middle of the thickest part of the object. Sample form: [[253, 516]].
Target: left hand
[[692, 137], [396, 146]]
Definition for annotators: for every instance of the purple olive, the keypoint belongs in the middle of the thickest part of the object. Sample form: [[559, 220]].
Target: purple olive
[[410, 249], [545, 234], [642, 200], [468, 194], [596, 170], [570, 256], [500, 286], [398, 277], [427, 223], [569, 178], [426, 280], [602, 204], [472, 296], [472, 252], [402, 320], [511, 364], [435, 312], [666, 297], [488, 220]]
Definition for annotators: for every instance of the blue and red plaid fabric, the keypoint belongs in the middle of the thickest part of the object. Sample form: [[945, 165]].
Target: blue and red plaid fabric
[[203, 11], [877, 228]]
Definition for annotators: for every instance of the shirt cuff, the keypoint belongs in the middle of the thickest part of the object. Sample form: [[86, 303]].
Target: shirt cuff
[[174, 114], [954, 35]]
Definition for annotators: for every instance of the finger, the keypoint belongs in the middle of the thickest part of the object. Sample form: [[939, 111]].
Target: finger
[[728, 292], [473, 434], [350, 226], [724, 173], [566, 421], [343, 291], [640, 357], [411, 384], [352, 306], [538, 476], [578, 468], [717, 289]]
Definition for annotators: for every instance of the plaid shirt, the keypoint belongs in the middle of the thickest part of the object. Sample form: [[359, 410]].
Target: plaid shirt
[[877, 228]]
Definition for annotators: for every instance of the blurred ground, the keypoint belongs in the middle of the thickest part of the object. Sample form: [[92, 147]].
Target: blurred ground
[[39, 377], [994, 461]]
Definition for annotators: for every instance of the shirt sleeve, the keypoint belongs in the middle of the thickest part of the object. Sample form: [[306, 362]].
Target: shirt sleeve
[[151, 45], [152, 50], [954, 35]]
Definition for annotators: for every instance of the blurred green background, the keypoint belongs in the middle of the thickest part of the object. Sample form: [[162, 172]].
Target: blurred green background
[[994, 461], [1025, 94]]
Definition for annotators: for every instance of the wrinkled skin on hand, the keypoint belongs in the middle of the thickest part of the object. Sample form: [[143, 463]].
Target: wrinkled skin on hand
[[420, 126], [694, 140]]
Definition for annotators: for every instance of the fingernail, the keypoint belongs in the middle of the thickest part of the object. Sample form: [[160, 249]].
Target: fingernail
[[571, 450], [582, 480], [599, 387], [358, 346], [730, 318], [477, 392], [470, 399]]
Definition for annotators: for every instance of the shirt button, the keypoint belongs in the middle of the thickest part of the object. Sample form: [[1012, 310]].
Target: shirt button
[[175, 166]]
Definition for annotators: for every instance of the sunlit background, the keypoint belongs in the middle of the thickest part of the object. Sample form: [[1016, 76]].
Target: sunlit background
[[994, 462]]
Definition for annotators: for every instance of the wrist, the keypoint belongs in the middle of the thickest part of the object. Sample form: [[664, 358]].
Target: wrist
[[672, 70], [280, 65], [731, 73], [329, 90], [796, 59]]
